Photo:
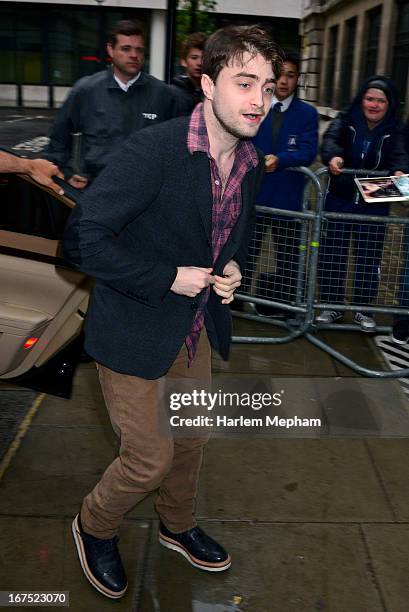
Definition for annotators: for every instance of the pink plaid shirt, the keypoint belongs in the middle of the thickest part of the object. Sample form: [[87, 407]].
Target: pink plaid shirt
[[226, 206]]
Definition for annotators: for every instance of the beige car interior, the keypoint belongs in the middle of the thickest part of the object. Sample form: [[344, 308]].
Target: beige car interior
[[39, 298]]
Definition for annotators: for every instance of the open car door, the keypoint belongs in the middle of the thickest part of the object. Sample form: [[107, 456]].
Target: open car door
[[42, 300]]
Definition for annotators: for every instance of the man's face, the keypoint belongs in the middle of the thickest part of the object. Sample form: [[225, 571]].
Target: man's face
[[241, 96], [374, 106], [193, 63], [127, 56], [288, 81]]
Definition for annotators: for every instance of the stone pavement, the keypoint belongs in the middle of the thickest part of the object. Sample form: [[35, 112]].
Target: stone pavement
[[319, 523]]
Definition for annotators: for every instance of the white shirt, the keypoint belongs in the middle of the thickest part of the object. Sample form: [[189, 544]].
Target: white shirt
[[126, 86], [285, 103]]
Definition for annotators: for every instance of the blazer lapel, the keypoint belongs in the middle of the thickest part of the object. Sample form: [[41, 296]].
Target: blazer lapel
[[241, 222], [199, 184], [238, 231]]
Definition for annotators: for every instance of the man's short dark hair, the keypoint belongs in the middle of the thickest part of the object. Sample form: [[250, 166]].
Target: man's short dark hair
[[197, 40], [126, 27], [292, 58], [229, 44]]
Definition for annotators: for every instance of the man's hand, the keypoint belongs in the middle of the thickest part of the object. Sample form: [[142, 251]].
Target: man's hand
[[190, 280], [42, 171], [78, 181], [271, 162], [335, 165], [225, 285], [398, 173]]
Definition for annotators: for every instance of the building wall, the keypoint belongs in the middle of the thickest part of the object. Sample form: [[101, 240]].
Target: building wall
[[374, 49], [274, 8]]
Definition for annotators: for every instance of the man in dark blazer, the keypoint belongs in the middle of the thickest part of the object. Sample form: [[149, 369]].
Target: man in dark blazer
[[164, 230]]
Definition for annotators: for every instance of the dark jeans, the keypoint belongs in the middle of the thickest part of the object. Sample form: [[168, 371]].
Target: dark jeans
[[367, 246], [339, 239]]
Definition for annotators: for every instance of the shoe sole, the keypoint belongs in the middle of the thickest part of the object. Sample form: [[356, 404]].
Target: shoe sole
[[366, 330], [401, 342], [85, 567], [203, 565]]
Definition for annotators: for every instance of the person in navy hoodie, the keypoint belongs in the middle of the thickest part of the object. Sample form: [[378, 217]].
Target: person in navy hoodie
[[288, 137], [366, 135]]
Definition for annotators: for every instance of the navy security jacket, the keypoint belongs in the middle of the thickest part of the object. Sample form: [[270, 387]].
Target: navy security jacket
[[148, 212], [106, 115], [296, 145]]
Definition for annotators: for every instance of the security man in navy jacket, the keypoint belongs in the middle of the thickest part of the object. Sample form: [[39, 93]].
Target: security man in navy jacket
[[103, 109]]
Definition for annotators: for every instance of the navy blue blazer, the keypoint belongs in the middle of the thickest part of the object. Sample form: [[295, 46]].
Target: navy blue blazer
[[296, 145], [148, 212]]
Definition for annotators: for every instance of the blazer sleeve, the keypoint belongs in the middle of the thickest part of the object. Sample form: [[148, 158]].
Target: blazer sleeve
[[307, 146], [95, 240]]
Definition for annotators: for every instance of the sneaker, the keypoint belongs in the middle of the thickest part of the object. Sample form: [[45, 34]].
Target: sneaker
[[100, 562], [329, 316], [197, 547], [400, 332], [365, 321]]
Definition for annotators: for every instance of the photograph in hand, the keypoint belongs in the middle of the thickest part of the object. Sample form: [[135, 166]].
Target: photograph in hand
[[384, 189]]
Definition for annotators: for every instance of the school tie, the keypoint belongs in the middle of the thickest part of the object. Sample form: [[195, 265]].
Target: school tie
[[277, 107]]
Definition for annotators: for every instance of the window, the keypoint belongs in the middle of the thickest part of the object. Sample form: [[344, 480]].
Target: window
[[330, 72], [57, 46], [401, 51], [348, 59], [7, 47], [373, 30], [27, 209]]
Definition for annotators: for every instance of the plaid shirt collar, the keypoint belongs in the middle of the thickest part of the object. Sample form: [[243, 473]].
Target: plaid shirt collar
[[198, 140]]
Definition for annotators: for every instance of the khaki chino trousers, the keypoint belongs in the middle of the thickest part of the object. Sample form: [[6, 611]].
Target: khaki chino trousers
[[148, 459]]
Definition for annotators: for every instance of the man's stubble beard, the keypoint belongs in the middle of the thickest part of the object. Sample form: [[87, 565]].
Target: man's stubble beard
[[229, 128]]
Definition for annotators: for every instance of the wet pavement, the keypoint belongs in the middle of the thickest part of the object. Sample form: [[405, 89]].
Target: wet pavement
[[311, 523], [24, 130]]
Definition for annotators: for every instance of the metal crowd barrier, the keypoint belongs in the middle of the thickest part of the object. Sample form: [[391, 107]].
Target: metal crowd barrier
[[301, 263]]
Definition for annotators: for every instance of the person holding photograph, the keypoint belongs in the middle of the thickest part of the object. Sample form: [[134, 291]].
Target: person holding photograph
[[367, 134]]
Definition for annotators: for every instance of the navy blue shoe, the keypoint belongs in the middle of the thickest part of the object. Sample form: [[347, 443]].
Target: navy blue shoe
[[197, 547], [100, 561]]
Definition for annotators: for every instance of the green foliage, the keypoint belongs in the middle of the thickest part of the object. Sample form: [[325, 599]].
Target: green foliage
[[194, 16]]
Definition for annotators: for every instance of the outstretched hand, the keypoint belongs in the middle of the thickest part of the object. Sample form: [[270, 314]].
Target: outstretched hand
[[42, 171]]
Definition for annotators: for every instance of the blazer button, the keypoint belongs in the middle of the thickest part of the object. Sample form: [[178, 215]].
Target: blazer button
[[194, 306]]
